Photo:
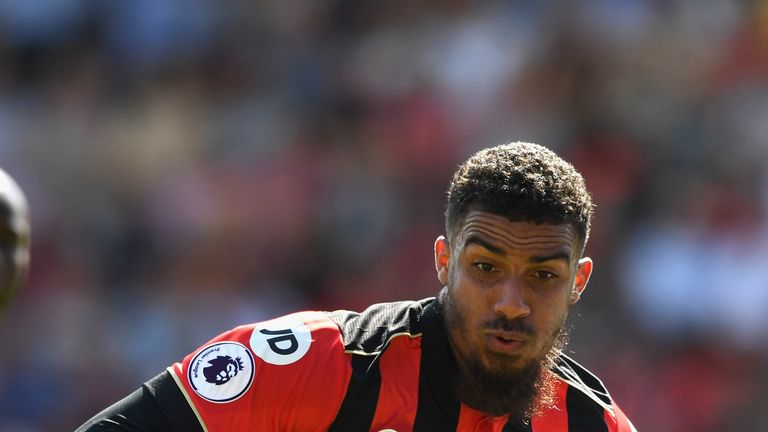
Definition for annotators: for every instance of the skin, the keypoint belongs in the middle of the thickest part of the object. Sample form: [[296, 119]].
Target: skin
[[14, 239], [511, 285]]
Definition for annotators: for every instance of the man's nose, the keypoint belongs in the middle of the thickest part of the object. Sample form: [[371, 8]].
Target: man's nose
[[510, 301]]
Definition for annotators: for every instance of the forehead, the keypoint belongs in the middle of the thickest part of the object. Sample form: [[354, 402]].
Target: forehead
[[518, 236]]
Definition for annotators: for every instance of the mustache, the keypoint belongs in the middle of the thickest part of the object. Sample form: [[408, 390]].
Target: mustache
[[504, 324]]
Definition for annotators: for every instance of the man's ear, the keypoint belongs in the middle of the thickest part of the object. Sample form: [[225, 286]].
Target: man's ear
[[583, 271], [442, 259]]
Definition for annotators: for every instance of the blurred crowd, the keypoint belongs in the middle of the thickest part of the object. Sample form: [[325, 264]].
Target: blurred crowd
[[192, 165]]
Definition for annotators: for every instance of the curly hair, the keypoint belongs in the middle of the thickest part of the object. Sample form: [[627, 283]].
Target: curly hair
[[523, 182]]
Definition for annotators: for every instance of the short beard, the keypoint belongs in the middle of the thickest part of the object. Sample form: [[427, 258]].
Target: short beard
[[521, 393]]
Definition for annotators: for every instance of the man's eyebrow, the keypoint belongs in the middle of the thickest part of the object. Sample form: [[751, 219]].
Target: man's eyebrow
[[555, 256], [473, 239]]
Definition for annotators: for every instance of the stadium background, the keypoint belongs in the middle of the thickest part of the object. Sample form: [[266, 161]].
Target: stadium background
[[196, 164]]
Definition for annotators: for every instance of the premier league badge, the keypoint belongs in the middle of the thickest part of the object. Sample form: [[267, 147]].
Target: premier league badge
[[221, 372]]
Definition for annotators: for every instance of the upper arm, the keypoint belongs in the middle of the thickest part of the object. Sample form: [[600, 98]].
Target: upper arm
[[290, 373]]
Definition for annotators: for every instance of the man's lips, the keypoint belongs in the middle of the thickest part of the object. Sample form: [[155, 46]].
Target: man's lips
[[505, 341]]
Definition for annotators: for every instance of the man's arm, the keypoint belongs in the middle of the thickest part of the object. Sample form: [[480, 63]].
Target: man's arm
[[157, 406], [290, 373]]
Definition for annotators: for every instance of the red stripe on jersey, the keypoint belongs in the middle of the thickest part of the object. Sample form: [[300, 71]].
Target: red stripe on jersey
[[554, 419], [399, 391], [472, 420]]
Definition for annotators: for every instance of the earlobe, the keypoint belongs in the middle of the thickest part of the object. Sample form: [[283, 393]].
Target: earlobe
[[442, 259]]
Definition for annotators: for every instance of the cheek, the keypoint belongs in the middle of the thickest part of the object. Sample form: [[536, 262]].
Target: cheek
[[552, 322], [554, 300], [460, 313], [464, 297]]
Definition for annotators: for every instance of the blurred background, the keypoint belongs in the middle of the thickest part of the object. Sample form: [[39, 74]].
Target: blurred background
[[192, 165]]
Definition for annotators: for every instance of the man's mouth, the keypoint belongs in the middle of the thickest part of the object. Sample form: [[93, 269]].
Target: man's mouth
[[505, 342]]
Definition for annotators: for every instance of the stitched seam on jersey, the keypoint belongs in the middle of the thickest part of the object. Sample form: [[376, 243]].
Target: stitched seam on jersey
[[187, 397], [365, 353]]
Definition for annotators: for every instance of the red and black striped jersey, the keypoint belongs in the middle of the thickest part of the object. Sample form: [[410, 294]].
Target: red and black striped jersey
[[388, 368]]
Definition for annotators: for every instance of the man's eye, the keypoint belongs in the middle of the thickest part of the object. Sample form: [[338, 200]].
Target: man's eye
[[485, 267], [544, 275]]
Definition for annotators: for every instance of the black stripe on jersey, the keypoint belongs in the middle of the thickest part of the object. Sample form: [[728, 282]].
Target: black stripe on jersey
[[438, 408], [368, 332], [359, 405], [584, 414], [365, 336]]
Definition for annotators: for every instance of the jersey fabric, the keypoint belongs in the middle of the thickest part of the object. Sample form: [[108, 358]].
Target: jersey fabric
[[388, 368]]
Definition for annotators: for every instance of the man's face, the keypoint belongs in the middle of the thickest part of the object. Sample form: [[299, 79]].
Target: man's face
[[510, 286]]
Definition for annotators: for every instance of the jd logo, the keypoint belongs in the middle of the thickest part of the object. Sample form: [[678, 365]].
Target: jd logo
[[281, 336], [222, 369], [281, 341]]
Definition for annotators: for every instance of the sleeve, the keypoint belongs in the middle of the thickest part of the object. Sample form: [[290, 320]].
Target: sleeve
[[150, 408], [290, 373]]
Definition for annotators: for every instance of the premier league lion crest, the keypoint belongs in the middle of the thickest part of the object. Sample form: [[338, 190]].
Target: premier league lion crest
[[221, 372], [222, 369]]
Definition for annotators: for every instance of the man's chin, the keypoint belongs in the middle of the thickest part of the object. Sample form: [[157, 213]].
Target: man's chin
[[504, 390], [506, 364]]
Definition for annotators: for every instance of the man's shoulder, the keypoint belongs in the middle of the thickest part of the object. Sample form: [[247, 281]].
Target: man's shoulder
[[578, 377], [369, 331], [587, 396], [583, 400], [581, 380]]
